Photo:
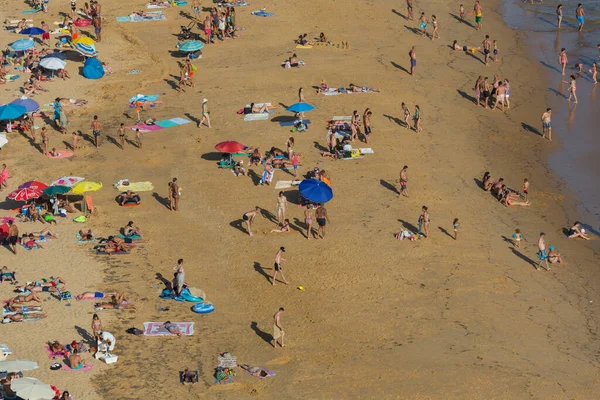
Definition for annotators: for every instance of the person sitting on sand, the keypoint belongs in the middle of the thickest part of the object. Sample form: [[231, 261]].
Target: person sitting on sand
[[129, 197], [189, 376], [302, 39], [238, 169], [496, 188], [171, 328], [487, 182], [7, 276], [322, 86], [553, 256], [255, 157], [285, 227], [322, 38], [117, 302], [75, 361], [97, 295], [294, 61], [63, 73], [130, 229], [577, 231]]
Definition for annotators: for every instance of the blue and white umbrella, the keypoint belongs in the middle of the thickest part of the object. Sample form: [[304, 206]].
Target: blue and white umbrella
[[190, 46], [22, 44], [52, 63], [86, 50]]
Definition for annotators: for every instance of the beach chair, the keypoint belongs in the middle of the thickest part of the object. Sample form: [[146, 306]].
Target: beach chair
[[66, 295], [4, 352]]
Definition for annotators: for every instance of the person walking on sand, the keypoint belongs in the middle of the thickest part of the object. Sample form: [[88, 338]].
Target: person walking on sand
[[3, 176], [478, 10], [301, 95], [196, 9], [455, 227], [406, 114], [13, 236], [526, 188], [96, 127], [572, 89], [409, 10], [308, 221], [436, 32], [174, 195], [277, 266], [487, 47], [413, 60], [121, 133], [45, 139], [423, 24], [74, 141], [248, 218], [404, 181], [517, 237], [205, 114], [580, 14], [562, 59], [278, 332], [461, 13], [281, 207], [542, 252], [322, 220]]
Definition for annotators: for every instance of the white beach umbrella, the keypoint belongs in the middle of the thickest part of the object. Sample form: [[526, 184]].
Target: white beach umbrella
[[17, 365], [53, 63], [32, 389]]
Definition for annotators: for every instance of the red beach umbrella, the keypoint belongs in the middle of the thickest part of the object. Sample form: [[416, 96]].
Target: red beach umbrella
[[230, 147], [36, 185], [24, 194]]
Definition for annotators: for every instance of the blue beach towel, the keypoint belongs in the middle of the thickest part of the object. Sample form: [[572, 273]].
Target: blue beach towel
[[30, 11], [166, 123], [141, 97], [262, 13], [180, 121], [124, 19], [292, 123]]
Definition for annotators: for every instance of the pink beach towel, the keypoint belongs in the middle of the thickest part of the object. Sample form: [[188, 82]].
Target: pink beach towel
[[62, 154], [6, 219], [154, 329], [85, 367], [145, 128]]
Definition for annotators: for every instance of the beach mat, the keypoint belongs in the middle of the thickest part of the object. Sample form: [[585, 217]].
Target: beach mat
[[145, 128], [154, 329], [342, 118], [180, 121], [292, 123], [256, 117], [166, 123], [132, 237], [124, 19], [30, 11], [286, 184], [136, 186], [262, 13]]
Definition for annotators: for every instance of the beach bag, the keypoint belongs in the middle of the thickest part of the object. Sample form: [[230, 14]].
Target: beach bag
[[135, 331], [354, 153]]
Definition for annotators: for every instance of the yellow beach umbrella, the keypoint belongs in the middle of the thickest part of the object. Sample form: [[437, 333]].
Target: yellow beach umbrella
[[84, 40], [85, 186]]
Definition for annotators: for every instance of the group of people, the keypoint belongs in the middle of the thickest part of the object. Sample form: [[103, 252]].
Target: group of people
[[490, 94], [220, 24], [503, 193]]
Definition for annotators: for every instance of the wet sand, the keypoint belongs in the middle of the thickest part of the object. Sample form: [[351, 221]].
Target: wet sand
[[379, 318]]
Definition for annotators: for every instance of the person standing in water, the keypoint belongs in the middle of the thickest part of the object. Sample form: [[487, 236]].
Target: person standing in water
[[562, 59], [572, 89], [580, 14], [547, 124], [559, 14]]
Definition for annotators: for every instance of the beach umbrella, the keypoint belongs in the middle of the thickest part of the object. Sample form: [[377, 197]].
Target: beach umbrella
[[37, 185], [55, 54], [93, 69], [32, 389], [300, 107], [69, 181], [315, 190], [230, 147], [86, 50], [88, 41], [17, 365], [52, 191], [22, 44], [24, 194], [29, 104], [11, 111], [32, 31], [52, 63], [3, 140], [190, 46], [86, 186]]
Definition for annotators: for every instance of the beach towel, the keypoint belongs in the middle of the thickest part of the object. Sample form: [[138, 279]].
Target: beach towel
[[62, 154], [256, 117], [165, 123], [154, 329], [269, 373], [10, 77], [144, 128], [147, 18], [286, 184], [303, 46], [133, 71], [236, 4], [262, 13], [342, 118], [180, 121], [143, 97], [292, 123], [33, 11], [367, 150], [84, 367], [132, 237], [134, 186], [227, 360], [80, 241]]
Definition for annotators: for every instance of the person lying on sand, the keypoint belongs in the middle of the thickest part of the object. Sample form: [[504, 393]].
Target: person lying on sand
[[509, 198], [129, 197], [22, 317], [254, 371], [456, 46], [97, 295], [86, 236], [117, 302], [57, 348], [254, 109], [7, 276], [357, 89], [285, 227], [30, 243], [577, 231], [113, 245], [43, 235], [171, 328]]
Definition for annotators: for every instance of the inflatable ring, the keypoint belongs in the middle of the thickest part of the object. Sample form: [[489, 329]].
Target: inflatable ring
[[202, 308]]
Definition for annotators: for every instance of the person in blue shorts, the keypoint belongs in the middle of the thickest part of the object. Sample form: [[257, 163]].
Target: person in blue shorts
[[580, 17]]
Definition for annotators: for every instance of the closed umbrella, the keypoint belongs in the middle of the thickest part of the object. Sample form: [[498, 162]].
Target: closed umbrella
[[230, 147], [300, 107], [11, 111], [29, 104], [85, 186], [315, 190], [22, 44], [69, 181], [32, 389], [52, 191], [24, 194], [17, 365], [3, 140], [33, 31], [191, 46], [37, 185]]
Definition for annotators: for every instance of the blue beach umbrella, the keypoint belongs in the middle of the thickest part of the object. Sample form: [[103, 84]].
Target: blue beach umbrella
[[191, 46], [22, 44], [11, 111], [300, 107], [315, 190], [32, 31], [29, 104]]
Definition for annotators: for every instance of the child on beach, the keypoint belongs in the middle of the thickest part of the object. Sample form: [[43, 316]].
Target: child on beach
[[455, 227], [594, 73], [462, 12], [75, 141], [138, 138], [517, 236], [495, 51], [525, 188], [572, 89], [423, 24]]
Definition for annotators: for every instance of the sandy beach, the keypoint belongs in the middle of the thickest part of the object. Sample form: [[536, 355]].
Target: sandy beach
[[436, 318]]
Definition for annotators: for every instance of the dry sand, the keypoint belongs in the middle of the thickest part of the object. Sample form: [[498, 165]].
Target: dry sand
[[433, 319]]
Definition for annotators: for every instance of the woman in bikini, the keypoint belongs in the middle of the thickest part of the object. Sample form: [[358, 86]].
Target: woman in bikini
[[576, 231], [281, 207], [308, 221], [559, 14], [562, 59], [406, 112], [572, 89], [96, 326]]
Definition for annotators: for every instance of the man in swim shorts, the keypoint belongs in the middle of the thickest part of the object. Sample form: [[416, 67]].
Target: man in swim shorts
[[403, 181], [322, 219], [487, 46], [409, 10], [278, 332], [547, 124], [277, 266], [96, 127], [13, 236], [249, 219], [478, 14], [413, 60], [580, 17], [97, 21], [542, 252]]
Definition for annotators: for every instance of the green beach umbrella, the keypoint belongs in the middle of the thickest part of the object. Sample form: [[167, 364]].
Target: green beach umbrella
[[52, 191]]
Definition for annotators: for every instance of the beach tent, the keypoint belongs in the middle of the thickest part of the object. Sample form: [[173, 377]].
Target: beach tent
[[93, 69]]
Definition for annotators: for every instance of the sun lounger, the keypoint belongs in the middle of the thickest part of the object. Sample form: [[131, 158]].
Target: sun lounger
[[4, 352]]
